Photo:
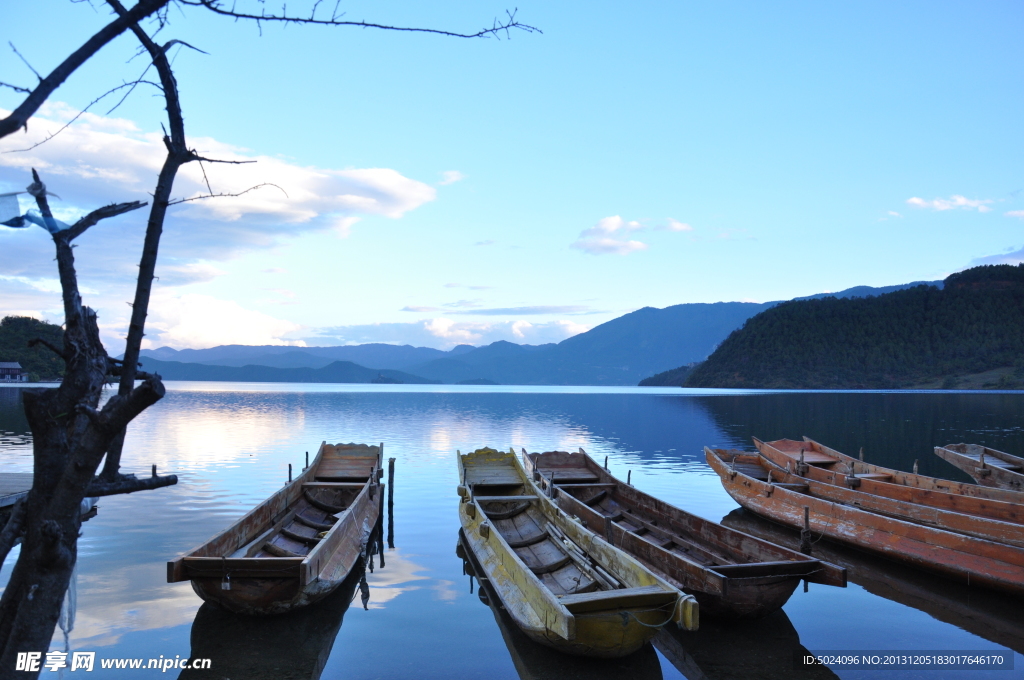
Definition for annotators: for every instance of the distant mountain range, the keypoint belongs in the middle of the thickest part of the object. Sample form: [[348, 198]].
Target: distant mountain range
[[619, 352], [335, 372]]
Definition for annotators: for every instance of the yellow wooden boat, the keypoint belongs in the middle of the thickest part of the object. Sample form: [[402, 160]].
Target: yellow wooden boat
[[563, 585], [298, 545]]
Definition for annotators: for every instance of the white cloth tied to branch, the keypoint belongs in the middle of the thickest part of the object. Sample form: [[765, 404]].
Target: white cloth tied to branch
[[10, 215]]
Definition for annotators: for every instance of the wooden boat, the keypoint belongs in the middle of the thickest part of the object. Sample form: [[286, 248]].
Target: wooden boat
[[915, 480], [791, 500], [839, 482], [986, 466], [985, 613], [298, 545], [534, 661], [563, 585], [731, 574]]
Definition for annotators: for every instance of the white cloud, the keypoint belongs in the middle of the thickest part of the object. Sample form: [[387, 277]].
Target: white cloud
[[893, 213], [955, 201], [451, 177], [1016, 213], [1009, 257], [600, 239], [100, 160], [443, 333], [676, 225], [199, 321], [184, 274]]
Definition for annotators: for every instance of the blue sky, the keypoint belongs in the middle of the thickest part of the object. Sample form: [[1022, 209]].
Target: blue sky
[[439, 190]]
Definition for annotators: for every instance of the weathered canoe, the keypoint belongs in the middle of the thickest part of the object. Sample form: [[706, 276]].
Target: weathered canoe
[[731, 574], [563, 585], [298, 545], [840, 482], [987, 466], [539, 662], [986, 613], [785, 498], [915, 480]]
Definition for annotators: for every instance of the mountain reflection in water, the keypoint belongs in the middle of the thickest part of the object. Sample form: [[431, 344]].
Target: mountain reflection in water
[[534, 661]]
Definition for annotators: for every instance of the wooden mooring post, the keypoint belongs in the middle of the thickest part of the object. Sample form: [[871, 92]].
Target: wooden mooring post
[[391, 503]]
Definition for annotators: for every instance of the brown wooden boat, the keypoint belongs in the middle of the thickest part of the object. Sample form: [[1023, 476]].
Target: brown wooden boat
[[840, 482], [758, 485], [986, 613], [298, 545], [915, 480], [986, 466], [563, 585], [731, 574]]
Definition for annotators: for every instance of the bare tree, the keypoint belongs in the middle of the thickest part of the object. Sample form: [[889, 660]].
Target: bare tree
[[71, 433]]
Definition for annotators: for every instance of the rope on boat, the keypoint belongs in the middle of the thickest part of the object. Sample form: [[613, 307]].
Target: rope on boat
[[676, 609]]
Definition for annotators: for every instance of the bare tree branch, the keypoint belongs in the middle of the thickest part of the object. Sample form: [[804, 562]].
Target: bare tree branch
[[133, 84], [120, 410], [128, 484], [12, 530], [23, 90], [53, 348], [19, 117], [225, 195], [218, 7], [25, 61], [112, 210]]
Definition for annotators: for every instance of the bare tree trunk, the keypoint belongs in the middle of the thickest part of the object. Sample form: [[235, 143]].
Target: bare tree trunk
[[70, 436]]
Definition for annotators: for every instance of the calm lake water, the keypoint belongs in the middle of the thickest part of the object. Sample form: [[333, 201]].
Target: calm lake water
[[230, 445]]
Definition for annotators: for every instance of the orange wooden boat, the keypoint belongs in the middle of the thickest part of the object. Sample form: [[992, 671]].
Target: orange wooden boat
[[758, 485], [731, 574], [298, 545], [912, 479], [983, 518], [987, 466]]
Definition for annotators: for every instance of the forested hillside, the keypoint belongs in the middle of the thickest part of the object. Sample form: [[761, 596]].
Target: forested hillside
[[39, 362], [900, 339]]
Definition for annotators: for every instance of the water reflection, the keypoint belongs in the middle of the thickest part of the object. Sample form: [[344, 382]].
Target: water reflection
[[894, 429], [534, 661], [293, 646], [990, 615], [231, 448], [739, 650]]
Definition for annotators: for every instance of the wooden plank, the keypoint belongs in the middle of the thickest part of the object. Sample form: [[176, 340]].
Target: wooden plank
[[792, 449], [261, 567], [624, 598], [501, 499], [765, 569]]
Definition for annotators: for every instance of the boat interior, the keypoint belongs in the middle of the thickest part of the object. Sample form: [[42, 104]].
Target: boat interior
[[690, 543], [511, 508], [337, 481], [993, 458], [603, 499]]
